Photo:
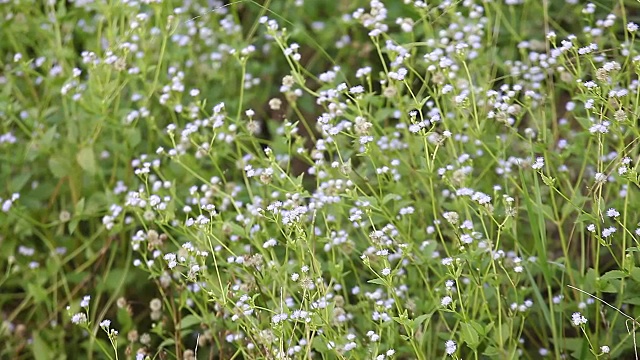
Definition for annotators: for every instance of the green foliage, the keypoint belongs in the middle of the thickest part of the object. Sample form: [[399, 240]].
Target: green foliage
[[342, 179]]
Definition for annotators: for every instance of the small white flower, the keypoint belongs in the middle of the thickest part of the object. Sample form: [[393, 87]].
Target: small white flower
[[279, 318], [386, 271], [85, 301], [577, 319], [450, 347], [613, 213], [538, 164], [452, 217], [79, 318], [604, 348], [270, 243], [601, 178], [446, 301], [608, 231]]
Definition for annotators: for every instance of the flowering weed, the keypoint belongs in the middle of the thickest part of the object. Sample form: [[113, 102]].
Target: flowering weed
[[287, 180]]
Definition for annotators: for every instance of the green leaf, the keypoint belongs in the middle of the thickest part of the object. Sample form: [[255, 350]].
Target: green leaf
[[585, 218], [79, 207], [502, 334], [190, 321], [41, 350], [18, 181], [38, 293], [420, 319], [635, 274], [388, 197], [470, 335], [124, 319], [589, 283], [403, 321], [73, 225], [478, 327], [46, 140], [614, 274], [377, 282], [113, 280], [632, 301], [59, 166], [87, 160], [166, 343], [492, 352], [610, 286]]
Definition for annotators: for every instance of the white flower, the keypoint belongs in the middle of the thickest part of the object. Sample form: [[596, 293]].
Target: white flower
[[632, 27], [601, 178], [450, 347], [279, 318], [538, 164], [613, 213], [446, 301], [386, 271], [451, 216], [577, 319], [608, 231], [604, 348], [85, 301], [270, 243], [79, 318], [105, 323]]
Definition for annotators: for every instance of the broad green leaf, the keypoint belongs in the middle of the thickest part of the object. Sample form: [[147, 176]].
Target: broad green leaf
[[420, 319], [87, 160], [470, 335], [635, 274], [189, 321], [59, 166], [40, 349], [492, 352], [614, 274], [632, 301]]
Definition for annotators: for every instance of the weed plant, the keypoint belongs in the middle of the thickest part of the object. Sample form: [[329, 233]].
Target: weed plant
[[326, 179]]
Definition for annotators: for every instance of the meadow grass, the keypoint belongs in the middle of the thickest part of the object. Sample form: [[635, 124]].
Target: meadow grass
[[293, 179]]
